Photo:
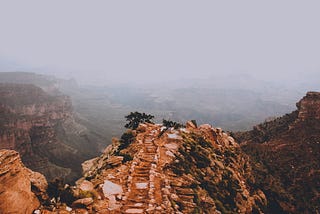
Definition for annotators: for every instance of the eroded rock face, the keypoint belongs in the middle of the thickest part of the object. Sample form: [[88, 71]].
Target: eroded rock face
[[285, 157], [309, 106], [41, 127], [15, 184], [189, 170]]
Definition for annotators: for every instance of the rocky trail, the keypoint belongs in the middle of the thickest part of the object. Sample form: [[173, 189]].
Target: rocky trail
[[163, 174], [143, 192]]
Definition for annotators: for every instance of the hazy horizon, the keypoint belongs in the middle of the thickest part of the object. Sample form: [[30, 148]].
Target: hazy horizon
[[138, 42]]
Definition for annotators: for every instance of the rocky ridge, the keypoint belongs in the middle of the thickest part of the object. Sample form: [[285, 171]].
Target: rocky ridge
[[158, 170], [285, 158], [308, 107]]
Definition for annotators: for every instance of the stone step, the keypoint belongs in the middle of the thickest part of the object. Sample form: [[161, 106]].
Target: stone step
[[142, 167], [134, 210], [141, 172], [148, 157], [142, 185], [138, 205], [136, 200], [189, 204], [184, 191], [140, 175], [144, 164], [139, 180], [149, 154], [139, 189], [150, 160], [150, 148], [186, 198]]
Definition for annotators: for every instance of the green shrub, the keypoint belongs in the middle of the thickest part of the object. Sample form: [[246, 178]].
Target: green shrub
[[86, 194], [171, 124], [135, 118], [126, 139], [126, 157]]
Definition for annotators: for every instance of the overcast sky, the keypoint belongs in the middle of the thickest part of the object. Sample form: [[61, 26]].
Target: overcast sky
[[119, 41]]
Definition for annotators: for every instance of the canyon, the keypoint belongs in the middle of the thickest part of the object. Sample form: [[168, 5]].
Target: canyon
[[285, 157], [153, 168], [43, 129]]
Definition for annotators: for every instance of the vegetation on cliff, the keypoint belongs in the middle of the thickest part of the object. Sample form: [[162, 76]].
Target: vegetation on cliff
[[285, 157]]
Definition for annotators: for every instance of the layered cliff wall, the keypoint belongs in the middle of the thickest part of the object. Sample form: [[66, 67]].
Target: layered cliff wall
[[42, 128]]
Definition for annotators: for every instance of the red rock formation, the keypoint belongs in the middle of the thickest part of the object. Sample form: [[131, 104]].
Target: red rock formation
[[15, 184], [191, 170], [41, 127], [309, 106], [285, 156]]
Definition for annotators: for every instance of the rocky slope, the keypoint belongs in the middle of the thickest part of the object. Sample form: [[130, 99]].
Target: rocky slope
[[285, 154], [20, 187], [42, 128], [159, 170]]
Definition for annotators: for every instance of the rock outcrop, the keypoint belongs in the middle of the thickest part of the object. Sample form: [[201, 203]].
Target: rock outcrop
[[158, 170], [309, 106], [17, 183], [42, 128], [285, 157]]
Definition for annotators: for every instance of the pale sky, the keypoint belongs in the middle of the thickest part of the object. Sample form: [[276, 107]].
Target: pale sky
[[118, 41]]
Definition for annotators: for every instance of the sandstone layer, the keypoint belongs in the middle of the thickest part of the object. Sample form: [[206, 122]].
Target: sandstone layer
[[16, 184], [42, 128]]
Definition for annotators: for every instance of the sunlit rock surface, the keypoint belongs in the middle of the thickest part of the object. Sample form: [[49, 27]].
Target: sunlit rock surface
[[188, 170], [16, 182]]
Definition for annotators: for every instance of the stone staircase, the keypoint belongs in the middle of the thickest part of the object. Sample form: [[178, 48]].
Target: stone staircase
[[186, 195], [140, 195]]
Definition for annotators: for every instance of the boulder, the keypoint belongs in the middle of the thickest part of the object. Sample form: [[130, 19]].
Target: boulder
[[82, 202], [15, 184]]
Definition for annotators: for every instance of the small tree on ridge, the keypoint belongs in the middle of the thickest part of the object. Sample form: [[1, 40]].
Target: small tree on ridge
[[135, 118]]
